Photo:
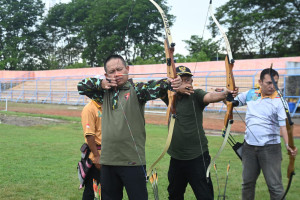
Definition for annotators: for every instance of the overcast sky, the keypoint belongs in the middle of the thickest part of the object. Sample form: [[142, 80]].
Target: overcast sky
[[190, 19]]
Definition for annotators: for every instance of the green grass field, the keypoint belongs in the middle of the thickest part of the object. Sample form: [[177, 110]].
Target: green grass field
[[39, 162]]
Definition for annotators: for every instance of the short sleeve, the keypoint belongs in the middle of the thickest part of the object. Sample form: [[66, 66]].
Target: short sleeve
[[242, 98], [200, 97], [88, 122], [281, 115]]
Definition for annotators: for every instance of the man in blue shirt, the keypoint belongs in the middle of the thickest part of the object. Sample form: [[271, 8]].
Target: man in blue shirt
[[265, 120]]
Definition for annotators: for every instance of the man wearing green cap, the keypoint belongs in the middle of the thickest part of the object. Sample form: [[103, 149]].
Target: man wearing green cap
[[189, 147]]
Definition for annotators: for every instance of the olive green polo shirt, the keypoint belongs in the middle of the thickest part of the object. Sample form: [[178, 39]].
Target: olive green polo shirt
[[185, 144]]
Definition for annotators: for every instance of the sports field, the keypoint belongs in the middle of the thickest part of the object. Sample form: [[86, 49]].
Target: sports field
[[39, 153]]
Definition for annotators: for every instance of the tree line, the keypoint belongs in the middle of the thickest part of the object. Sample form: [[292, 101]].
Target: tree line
[[82, 33]]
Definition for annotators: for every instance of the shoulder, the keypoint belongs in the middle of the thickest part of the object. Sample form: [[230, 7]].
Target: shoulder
[[277, 101], [130, 82], [200, 92], [199, 95], [90, 107], [252, 95]]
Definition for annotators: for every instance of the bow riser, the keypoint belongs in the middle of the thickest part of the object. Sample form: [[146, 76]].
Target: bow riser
[[171, 107], [171, 73], [228, 115], [291, 167], [290, 129], [171, 69], [230, 83]]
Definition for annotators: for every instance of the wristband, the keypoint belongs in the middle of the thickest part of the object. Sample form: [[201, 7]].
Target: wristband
[[170, 87], [286, 145]]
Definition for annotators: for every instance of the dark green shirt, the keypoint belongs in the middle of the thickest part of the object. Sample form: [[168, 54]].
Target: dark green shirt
[[185, 143], [123, 130]]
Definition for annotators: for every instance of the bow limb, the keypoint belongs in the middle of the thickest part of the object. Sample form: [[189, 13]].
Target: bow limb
[[228, 49], [229, 61], [230, 85], [167, 145], [230, 122], [289, 128], [166, 24], [171, 73]]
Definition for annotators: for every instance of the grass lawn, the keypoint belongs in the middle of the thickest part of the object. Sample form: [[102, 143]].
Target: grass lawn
[[39, 162]]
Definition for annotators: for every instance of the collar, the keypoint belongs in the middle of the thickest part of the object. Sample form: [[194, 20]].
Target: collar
[[272, 96], [98, 105], [116, 92], [126, 86]]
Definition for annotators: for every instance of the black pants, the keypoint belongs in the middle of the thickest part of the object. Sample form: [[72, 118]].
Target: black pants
[[88, 193], [114, 178], [182, 172]]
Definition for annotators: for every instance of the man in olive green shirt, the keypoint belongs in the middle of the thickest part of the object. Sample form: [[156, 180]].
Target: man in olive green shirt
[[189, 147], [123, 127]]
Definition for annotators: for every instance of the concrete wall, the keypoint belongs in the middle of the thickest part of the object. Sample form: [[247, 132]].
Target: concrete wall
[[157, 68]]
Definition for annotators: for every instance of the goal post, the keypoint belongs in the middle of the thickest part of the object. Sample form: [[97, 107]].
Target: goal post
[[3, 104]]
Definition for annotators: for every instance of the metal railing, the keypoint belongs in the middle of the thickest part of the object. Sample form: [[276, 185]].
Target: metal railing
[[63, 89]]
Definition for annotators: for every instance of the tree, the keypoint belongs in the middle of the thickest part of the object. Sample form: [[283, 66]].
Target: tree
[[79, 30], [131, 28], [63, 25], [179, 58], [18, 33], [261, 28], [94, 29], [202, 50]]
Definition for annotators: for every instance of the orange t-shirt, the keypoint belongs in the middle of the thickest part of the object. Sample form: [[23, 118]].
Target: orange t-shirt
[[91, 123]]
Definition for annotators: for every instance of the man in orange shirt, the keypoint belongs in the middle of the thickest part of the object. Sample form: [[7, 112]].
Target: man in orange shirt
[[91, 124]]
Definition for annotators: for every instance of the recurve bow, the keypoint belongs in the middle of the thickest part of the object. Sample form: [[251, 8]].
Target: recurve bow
[[171, 73], [230, 85], [289, 128]]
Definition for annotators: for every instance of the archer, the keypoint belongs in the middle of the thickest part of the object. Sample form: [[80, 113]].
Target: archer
[[189, 146], [265, 120], [123, 126]]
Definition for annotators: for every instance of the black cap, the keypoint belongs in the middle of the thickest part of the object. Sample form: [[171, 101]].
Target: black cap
[[182, 70]]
